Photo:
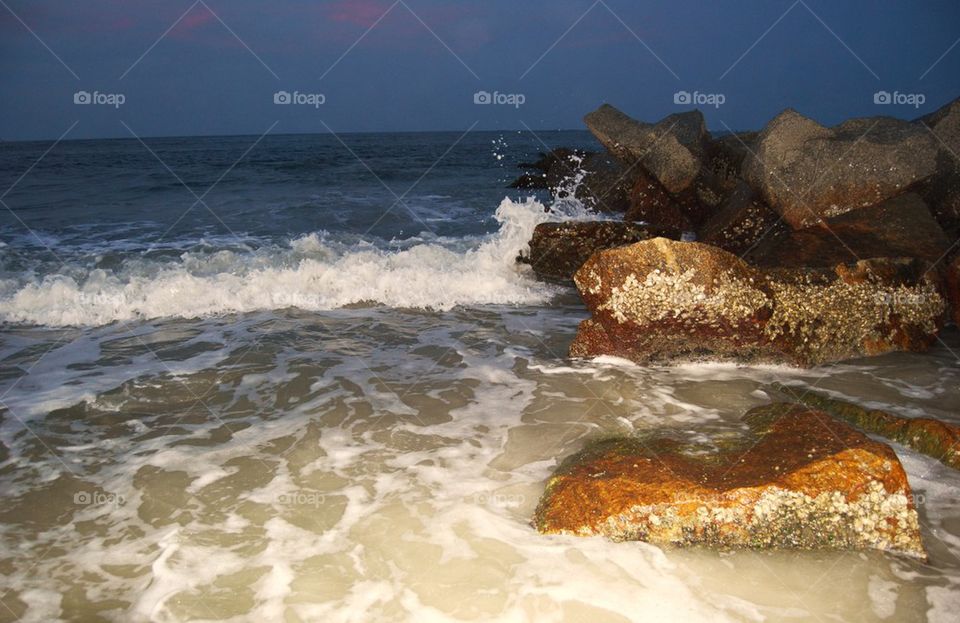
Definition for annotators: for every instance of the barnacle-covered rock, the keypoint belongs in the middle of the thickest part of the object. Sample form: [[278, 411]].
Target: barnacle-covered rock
[[800, 480], [933, 437], [660, 300], [898, 227], [558, 250], [942, 191], [663, 301], [741, 223], [808, 172]]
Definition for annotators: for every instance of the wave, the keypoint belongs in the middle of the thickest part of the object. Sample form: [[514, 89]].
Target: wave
[[309, 273]]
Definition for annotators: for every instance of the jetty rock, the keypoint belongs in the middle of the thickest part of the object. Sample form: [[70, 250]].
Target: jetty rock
[[942, 191], [799, 479], [899, 227], [742, 222], [808, 172], [672, 149], [663, 301], [558, 250]]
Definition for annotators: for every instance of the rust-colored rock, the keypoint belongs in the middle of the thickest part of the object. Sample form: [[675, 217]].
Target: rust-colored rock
[[660, 300], [663, 301], [800, 480], [929, 436], [672, 150], [558, 250], [742, 223], [942, 191], [899, 227], [651, 203], [807, 172]]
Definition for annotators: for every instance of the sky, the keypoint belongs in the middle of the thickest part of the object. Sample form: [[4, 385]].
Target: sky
[[116, 68]]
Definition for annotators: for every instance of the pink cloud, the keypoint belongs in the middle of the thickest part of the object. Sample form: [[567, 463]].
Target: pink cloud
[[192, 21], [358, 12]]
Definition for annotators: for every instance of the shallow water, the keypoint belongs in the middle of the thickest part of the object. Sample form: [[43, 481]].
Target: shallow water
[[384, 464], [289, 422]]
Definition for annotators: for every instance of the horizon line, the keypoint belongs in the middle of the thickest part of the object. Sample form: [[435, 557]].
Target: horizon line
[[247, 134], [322, 133]]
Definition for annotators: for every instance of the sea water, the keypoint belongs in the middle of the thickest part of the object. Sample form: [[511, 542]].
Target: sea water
[[309, 382]]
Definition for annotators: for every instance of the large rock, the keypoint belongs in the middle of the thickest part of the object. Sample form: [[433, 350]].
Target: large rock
[[672, 150], [659, 300], [649, 202], [898, 227], [933, 437], [726, 154], [807, 172], [558, 250], [663, 301], [800, 480], [741, 223], [943, 189]]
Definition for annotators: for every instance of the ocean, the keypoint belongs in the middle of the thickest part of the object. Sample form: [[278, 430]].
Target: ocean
[[302, 378]]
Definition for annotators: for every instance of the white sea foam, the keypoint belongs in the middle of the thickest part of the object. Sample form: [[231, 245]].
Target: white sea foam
[[309, 274]]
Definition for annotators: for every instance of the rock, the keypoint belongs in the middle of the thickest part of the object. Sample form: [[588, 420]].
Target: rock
[[558, 250], [663, 301], [659, 300], [725, 156], [741, 223], [927, 435], [953, 288], [672, 150], [807, 172], [649, 202], [800, 480], [942, 191], [898, 227]]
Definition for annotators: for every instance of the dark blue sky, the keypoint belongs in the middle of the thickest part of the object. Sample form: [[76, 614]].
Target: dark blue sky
[[216, 70]]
